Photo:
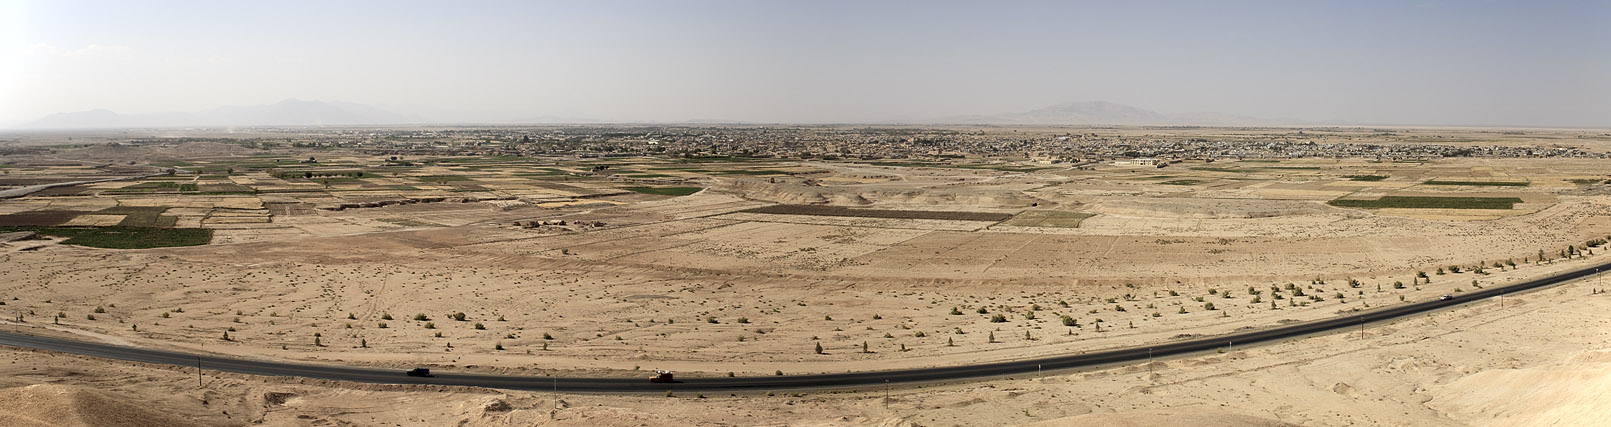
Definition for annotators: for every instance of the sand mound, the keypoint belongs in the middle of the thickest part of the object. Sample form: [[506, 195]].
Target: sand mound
[[48, 405], [1571, 394], [203, 149], [799, 194], [1182, 417], [111, 151]]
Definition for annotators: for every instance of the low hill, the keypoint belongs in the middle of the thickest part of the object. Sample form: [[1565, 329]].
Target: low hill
[[52, 405]]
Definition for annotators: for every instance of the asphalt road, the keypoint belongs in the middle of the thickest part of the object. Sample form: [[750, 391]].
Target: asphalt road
[[735, 384]]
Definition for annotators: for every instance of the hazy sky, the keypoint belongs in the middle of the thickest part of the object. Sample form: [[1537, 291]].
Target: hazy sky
[[1539, 63]]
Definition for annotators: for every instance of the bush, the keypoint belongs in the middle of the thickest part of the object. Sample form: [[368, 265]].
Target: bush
[[458, 316], [480, 327], [1208, 306], [430, 325], [421, 317], [998, 318], [1070, 321], [819, 348], [955, 312]]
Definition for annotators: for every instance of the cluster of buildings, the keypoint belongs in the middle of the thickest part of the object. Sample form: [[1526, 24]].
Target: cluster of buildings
[[872, 143]]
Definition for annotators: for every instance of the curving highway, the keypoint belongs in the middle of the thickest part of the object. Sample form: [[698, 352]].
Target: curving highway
[[735, 384]]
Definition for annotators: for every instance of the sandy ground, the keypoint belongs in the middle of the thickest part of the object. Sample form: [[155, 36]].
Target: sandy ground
[[1541, 359]]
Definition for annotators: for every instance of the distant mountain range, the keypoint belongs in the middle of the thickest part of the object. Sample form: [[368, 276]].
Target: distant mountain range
[[1106, 113], [290, 112], [294, 112]]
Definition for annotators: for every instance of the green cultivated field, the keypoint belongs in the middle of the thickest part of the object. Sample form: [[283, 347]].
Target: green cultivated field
[[141, 216], [1425, 202], [124, 237], [1042, 218]]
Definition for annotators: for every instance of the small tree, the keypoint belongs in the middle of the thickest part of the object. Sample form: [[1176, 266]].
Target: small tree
[[819, 348]]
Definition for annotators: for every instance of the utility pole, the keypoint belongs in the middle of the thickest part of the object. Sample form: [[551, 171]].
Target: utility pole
[[198, 372]]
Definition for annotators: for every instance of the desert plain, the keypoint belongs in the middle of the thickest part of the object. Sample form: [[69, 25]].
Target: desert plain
[[615, 266]]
